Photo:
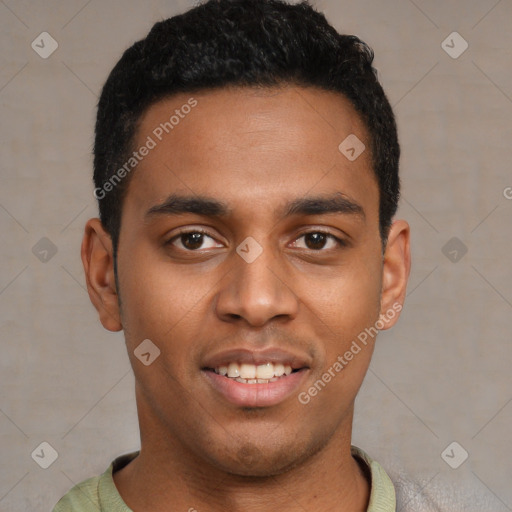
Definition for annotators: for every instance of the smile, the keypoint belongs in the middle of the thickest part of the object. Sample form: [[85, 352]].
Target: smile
[[252, 378]]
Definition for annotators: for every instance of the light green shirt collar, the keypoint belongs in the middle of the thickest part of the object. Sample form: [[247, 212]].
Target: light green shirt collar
[[382, 495]]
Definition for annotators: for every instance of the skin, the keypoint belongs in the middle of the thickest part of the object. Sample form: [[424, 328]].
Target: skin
[[255, 150]]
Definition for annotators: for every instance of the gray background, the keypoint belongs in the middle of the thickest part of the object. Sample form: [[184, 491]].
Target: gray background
[[441, 375]]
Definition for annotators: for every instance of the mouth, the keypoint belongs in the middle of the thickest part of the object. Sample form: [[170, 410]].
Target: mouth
[[261, 384]]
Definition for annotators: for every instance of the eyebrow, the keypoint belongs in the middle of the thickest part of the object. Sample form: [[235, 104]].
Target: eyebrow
[[323, 205], [210, 207]]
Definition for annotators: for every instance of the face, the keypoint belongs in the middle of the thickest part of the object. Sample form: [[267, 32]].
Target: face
[[249, 243]]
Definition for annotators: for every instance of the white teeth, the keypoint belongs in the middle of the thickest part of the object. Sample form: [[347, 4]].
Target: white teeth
[[255, 381], [247, 371], [252, 374], [265, 371], [233, 370], [278, 369]]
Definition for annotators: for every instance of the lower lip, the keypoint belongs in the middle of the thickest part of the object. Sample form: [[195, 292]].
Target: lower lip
[[256, 395]]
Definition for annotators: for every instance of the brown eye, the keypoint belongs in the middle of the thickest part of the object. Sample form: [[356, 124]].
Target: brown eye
[[193, 240], [318, 240], [315, 240]]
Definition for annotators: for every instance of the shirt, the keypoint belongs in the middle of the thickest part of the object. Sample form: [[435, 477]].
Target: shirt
[[99, 493]]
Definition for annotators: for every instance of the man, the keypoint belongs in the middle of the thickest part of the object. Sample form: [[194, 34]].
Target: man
[[246, 168]]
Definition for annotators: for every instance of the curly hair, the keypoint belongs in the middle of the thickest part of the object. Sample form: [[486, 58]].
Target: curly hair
[[223, 43]]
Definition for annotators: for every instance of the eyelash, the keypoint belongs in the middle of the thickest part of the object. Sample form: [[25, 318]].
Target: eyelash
[[340, 242]]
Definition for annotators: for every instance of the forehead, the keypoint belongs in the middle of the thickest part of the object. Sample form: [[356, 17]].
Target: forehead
[[252, 146]]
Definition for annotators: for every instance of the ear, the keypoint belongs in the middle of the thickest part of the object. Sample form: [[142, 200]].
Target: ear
[[98, 261], [395, 273]]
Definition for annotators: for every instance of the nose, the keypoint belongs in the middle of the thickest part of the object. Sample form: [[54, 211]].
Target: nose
[[257, 291]]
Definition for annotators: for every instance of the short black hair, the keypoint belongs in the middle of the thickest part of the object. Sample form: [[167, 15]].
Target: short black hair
[[222, 43]]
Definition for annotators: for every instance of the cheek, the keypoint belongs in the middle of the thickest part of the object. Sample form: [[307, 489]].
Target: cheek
[[345, 309], [348, 298], [159, 303], [157, 299]]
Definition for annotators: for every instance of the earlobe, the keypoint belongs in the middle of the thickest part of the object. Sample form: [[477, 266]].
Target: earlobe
[[98, 261], [395, 273]]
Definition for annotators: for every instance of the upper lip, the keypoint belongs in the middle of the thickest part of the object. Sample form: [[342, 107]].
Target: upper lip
[[256, 357]]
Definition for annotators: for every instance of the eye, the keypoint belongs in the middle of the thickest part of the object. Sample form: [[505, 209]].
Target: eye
[[318, 240], [192, 240]]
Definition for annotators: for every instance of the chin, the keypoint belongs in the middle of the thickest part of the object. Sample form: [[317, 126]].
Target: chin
[[260, 461]]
